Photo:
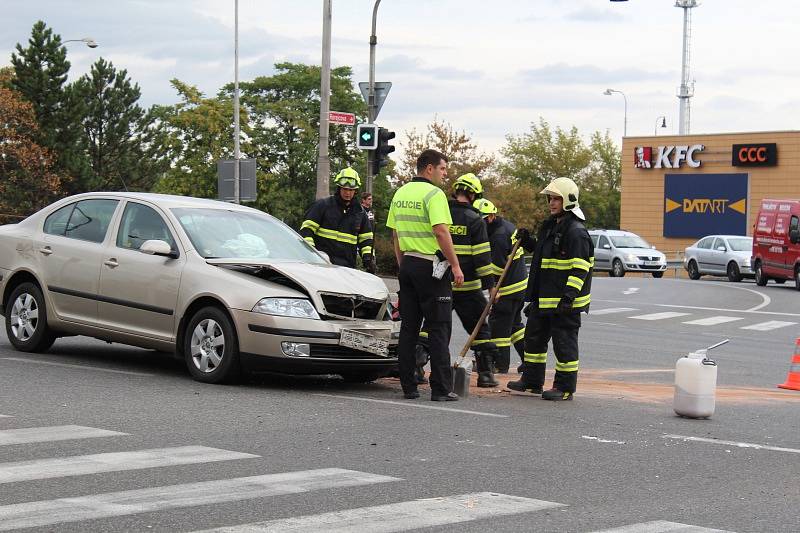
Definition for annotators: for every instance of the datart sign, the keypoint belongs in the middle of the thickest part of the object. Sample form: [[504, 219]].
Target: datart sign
[[754, 155], [696, 205], [667, 156]]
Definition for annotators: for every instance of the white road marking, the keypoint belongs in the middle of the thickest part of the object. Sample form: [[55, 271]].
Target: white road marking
[[732, 443], [611, 310], [402, 516], [6, 416], [52, 433], [770, 325], [696, 308], [604, 441], [81, 367], [661, 526], [410, 403], [114, 462], [659, 316], [632, 290], [714, 320], [212, 493]]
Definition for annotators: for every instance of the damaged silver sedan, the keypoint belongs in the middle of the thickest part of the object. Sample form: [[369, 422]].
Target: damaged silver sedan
[[226, 287]]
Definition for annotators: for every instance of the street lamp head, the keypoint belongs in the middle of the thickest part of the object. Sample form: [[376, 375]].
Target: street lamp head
[[91, 43], [607, 92]]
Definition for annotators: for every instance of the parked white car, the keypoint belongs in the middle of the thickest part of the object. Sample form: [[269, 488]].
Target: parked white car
[[618, 252], [720, 255]]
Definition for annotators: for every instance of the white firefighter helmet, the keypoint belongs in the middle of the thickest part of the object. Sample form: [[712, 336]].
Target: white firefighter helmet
[[568, 191]]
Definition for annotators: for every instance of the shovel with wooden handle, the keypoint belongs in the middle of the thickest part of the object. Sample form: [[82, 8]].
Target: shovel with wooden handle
[[462, 369]]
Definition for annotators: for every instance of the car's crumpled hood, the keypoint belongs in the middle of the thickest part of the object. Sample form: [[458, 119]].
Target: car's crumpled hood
[[649, 252], [320, 278]]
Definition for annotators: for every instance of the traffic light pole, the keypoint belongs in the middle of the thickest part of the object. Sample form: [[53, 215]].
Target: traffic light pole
[[371, 107]]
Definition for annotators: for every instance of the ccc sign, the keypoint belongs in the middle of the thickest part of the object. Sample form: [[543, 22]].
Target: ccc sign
[[755, 155]]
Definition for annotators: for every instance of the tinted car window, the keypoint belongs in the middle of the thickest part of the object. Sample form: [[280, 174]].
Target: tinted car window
[[705, 243], [56, 223], [794, 223], [603, 242], [719, 243], [142, 223], [90, 219]]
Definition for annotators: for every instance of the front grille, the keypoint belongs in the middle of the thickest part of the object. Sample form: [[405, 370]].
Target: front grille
[[645, 258], [352, 306], [335, 351], [650, 267]]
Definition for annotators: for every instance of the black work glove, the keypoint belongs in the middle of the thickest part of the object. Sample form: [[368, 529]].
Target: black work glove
[[487, 283], [527, 309], [564, 305], [369, 263], [525, 239]]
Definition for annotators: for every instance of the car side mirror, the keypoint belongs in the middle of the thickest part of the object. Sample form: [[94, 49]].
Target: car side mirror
[[794, 236], [324, 255], [158, 247], [607, 246], [721, 249], [652, 246]]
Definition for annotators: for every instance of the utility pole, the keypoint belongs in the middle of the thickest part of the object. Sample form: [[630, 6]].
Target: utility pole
[[236, 154], [371, 104], [685, 91], [323, 160]]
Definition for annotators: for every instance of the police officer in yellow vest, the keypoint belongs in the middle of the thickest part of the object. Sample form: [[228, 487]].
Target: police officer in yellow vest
[[420, 219]]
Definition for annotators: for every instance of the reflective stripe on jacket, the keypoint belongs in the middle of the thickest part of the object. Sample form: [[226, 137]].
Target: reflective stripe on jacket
[[338, 230], [502, 236], [562, 265], [471, 243]]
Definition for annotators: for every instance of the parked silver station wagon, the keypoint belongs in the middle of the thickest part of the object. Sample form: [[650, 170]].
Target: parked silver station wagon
[[226, 287], [720, 255], [618, 252]]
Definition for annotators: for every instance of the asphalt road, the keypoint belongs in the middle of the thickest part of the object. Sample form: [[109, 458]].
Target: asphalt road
[[315, 454]]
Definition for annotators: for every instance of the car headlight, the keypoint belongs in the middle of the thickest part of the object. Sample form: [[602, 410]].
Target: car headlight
[[290, 307], [631, 258]]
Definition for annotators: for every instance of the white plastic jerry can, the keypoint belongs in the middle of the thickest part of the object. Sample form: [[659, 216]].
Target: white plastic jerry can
[[695, 385]]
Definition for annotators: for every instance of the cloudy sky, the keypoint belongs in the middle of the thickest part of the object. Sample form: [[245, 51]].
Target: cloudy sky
[[490, 68]]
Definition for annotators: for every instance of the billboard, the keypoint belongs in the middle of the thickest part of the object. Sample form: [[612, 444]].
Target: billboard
[[696, 205]]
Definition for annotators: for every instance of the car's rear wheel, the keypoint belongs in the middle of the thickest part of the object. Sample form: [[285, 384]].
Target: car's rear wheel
[[734, 274], [761, 280], [659, 274], [780, 281], [210, 346], [26, 319], [694, 272], [797, 277], [617, 270]]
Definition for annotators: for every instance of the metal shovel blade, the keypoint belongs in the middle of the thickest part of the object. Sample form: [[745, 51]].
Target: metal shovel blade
[[461, 375]]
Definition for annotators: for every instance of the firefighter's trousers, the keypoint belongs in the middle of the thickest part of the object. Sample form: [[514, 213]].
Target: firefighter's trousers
[[507, 328], [563, 329]]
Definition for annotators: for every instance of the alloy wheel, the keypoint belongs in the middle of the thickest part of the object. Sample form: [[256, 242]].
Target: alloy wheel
[[207, 345], [24, 317]]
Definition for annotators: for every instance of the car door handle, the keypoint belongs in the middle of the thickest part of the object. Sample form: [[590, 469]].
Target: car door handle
[[46, 250], [112, 263]]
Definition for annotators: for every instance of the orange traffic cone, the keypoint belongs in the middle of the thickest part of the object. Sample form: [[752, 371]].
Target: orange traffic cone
[[793, 379]]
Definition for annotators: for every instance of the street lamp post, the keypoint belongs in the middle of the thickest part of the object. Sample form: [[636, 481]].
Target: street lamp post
[[609, 92], [236, 152], [91, 43], [371, 107], [323, 157], [663, 124]]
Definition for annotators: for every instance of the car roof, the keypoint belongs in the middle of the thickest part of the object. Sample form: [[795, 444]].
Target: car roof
[[167, 201], [726, 237], [611, 232]]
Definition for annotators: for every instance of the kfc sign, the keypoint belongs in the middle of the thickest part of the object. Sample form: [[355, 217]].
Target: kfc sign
[[667, 157], [755, 155]]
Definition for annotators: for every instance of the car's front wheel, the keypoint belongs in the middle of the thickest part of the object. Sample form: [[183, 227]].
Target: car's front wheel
[[617, 270], [26, 319], [734, 274], [694, 272], [760, 279], [659, 274], [210, 346]]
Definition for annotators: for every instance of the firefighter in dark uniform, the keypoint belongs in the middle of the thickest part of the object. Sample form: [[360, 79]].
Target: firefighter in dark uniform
[[559, 290], [420, 220], [471, 244], [505, 319], [338, 225]]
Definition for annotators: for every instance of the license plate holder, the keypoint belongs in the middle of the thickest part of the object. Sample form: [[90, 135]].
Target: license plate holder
[[365, 342]]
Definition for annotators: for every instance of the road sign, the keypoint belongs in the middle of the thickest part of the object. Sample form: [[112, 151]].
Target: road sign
[[338, 117], [247, 180], [381, 91], [367, 136]]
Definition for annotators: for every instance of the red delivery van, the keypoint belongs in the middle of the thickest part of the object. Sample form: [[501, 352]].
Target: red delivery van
[[776, 242]]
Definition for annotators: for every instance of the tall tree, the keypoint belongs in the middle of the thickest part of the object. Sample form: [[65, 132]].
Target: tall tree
[[122, 139], [27, 180], [458, 146], [40, 77]]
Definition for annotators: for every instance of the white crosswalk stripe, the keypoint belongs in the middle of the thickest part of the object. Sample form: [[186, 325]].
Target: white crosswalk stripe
[[51, 512], [114, 462], [660, 316], [611, 310], [768, 326], [661, 526], [402, 516], [52, 433], [713, 320], [6, 416]]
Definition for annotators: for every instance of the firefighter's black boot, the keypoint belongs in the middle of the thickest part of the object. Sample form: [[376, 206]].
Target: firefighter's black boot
[[525, 384], [483, 364], [556, 395]]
